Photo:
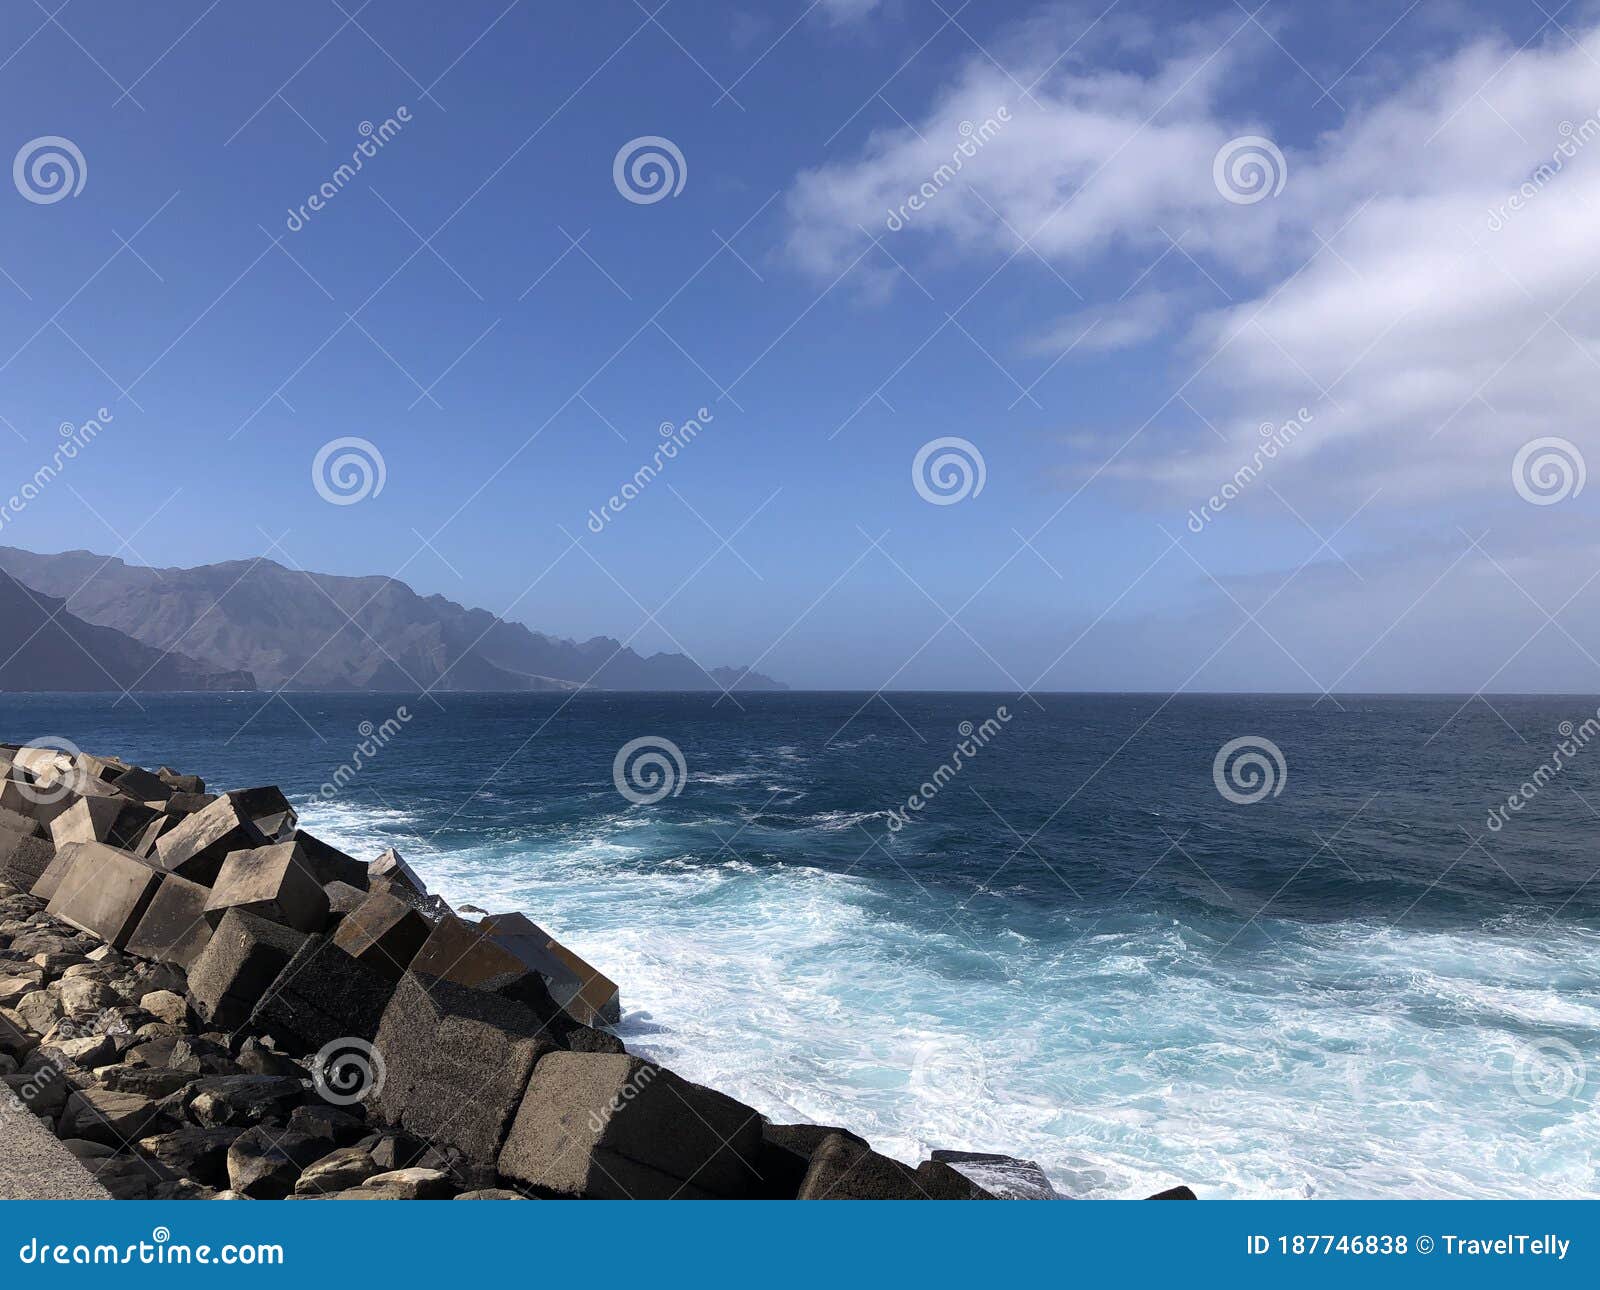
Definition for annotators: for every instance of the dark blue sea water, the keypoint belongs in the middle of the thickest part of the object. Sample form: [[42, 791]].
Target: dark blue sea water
[[1078, 950]]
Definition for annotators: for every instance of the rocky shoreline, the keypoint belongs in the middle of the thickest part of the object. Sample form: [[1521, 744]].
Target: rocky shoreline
[[202, 1000]]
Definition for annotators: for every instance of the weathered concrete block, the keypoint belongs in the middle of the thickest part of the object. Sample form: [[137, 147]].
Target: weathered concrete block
[[174, 929], [139, 785], [321, 995], [16, 822], [585, 992], [268, 809], [329, 863], [196, 848], [89, 819], [150, 834], [106, 768], [456, 1063], [24, 860], [272, 882], [342, 899], [843, 1169], [181, 803], [391, 866], [612, 1126], [237, 968], [15, 797], [181, 783], [1004, 1177], [383, 932], [104, 891]]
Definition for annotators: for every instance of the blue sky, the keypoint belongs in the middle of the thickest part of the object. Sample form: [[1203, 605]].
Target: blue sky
[[1083, 304]]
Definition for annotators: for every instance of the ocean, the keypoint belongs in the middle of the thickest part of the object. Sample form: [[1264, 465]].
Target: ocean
[[1338, 979]]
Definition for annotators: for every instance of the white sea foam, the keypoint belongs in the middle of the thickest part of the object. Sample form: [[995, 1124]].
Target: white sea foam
[[1342, 1060]]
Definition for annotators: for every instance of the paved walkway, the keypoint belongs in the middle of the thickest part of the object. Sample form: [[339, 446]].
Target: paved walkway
[[34, 1165]]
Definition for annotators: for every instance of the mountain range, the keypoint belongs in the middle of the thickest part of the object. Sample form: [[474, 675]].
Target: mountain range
[[255, 621]]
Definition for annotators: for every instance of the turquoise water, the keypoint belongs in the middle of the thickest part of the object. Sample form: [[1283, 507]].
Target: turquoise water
[[1076, 950]]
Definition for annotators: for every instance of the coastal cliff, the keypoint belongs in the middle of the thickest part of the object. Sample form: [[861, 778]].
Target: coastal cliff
[[203, 1000]]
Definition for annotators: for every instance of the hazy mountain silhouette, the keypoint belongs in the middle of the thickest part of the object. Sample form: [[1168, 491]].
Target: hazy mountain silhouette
[[317, 631]]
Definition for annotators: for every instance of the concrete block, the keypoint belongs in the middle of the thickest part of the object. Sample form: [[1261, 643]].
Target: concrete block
[[174, 929], [237, 968], [611, 1126], [329, 863], [196, 848], [322, 995], [104, 891], [383, 932], [272, 882], [266, 806], [24, 859], [585, 992]]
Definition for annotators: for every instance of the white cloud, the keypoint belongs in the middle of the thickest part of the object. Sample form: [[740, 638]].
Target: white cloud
[[1431, 338]]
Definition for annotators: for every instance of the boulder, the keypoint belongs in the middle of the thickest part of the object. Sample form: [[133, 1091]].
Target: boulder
[[842, 1169], [339, 1170], [456, 1062], [238, 966], [322, 995], [383, 932], [103, 1115], [492, 1193], [216, 1100], [264, 1163], [612, 1126], [104, 892], [274, 883], [165, 1006], [329, 863], [174, 928], [146, 1081], [341, 1125], [413, 1184], [1174, 1193], [200, 1154], [196, 847]]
